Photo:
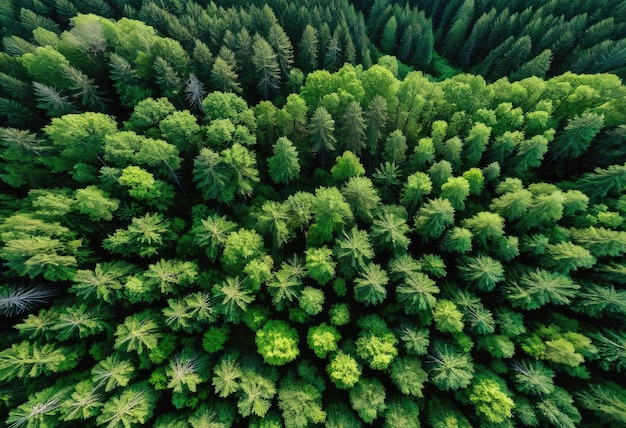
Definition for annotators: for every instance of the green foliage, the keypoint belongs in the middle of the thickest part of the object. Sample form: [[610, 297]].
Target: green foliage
[[255, 394], [214, 339], [323, 339], [185, 371], [416, 293], [449, 369], [311, 300], [24, 359], [408, 376], [369, 287], [138, 333], [433, 218], [343, 370], [277, 342], [346, 166], [300, 404], [232, 299], [483, 271], [606, 401], [447, 317], [283, 164], [145, 236], [320, 265], [241, 247], [367, 398], [491, 402], [481, 215], [538, 288], [376, 343], [534, 378]]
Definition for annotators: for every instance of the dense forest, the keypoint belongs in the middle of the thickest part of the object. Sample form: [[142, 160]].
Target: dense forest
[[312, 213]]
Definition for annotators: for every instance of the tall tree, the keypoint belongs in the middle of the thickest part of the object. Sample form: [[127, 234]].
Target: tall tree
[[352, 129], [280, 43], [266, 67], [376, 119], [308, 54], [284, 164], [321, 130]]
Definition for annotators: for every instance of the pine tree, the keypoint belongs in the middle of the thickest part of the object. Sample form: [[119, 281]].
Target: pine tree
[[390, 229], [476, 38], [280, 43], [227, 375], [537, 66], [266, 67], [112, 372], [533, 377], [456, 190], [52, 100], [576, 137], [606, 400], [134, 405], [284, 164], [28, 360], [389, 36], [449, 369], [463, 18], [433, 217], [416, 293], [321, 130], [84, 403], [333, 56], [232, 299], [602, 182], [483, 271], [352, 129], [273, 219], [138, 333], [538, 288], [224, 76], [210, 173], [370, 286], [39, 409]]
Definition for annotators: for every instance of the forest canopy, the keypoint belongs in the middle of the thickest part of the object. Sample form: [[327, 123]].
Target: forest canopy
[[297, 214]]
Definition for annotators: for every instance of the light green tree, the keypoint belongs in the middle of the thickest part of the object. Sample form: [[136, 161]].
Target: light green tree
[[139, 333], [347, 166], [491, 402], [343, 370], [323, 339], [134, 405], [277, 342], [283, 164], [456, 190], [113, 372], [320, 264]]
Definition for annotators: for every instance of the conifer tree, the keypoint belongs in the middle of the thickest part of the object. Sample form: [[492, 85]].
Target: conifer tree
[[321, 130], [266, 67]]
